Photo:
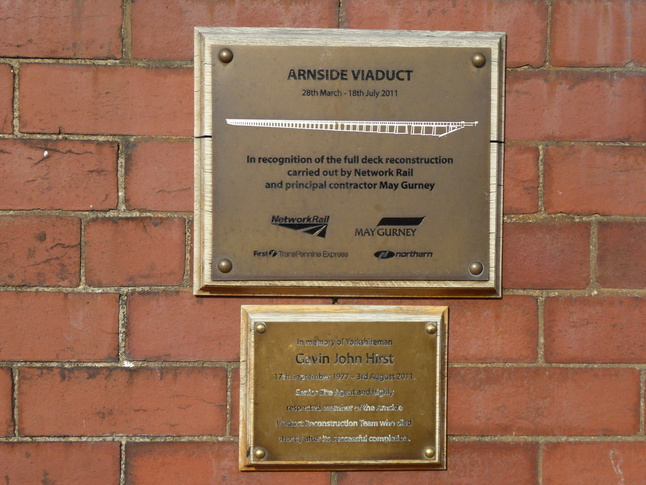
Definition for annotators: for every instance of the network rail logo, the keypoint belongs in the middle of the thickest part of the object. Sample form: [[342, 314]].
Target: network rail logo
[[313, 225]]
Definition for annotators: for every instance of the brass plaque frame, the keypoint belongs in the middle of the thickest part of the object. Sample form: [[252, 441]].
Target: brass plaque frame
[[478, 275], [343, 387]]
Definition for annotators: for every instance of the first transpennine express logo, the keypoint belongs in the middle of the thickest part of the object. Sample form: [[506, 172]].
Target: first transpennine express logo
[[314, 225]]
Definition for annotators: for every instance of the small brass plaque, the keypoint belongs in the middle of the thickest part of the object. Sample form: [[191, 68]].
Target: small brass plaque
[[343, 387], [341, 162]]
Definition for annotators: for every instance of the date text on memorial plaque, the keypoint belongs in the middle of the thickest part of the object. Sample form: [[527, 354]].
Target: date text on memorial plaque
[[341, 162], [343, 387]]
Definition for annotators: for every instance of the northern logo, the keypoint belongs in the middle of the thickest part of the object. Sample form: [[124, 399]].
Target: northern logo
[[384, 254], [314, 225], [391, 227], [388, 254]]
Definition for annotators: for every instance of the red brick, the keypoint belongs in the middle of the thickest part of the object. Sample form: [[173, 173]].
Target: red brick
[[110, 100], [546, 255], [521, 180], [621, 262], [102, 401], [6, 403], [156, 329], [594, 463], [159, 176], [59, 326], [601, 329], [6, 98], [591, 33], [53, 463], [202, 463], [61, 28], [468, 463], [67, 175], [582, 179], [163, 29], [547, 401], [504, 330], [40, 251], [137, 251], [524, 21], [638, 37], [235, 403], [568, 105]]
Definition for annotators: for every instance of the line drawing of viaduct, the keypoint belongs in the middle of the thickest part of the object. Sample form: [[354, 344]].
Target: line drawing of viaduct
[[424, 128]]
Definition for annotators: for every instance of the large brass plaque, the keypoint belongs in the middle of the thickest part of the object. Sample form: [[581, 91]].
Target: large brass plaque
[[343, 387], [353, 163]]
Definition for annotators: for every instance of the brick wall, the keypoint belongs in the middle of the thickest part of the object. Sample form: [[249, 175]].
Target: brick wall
[[111, 372]]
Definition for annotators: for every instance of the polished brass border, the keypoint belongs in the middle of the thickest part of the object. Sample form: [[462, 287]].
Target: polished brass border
[[206, 39], [258, 319]]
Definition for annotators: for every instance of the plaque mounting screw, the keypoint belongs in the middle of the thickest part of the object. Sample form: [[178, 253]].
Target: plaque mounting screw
[[429, 452], [261, 327], [225, 55], [476, 268], [259, 453], [225, 265], [431, 328], [479, 59]]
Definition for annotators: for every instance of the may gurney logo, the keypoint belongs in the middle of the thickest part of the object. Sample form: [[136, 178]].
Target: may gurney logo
[[392, 227], [314, 225]]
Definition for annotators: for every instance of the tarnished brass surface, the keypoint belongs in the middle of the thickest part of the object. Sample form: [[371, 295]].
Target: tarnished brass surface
[[359, 163], [341, 390], [290, 221]]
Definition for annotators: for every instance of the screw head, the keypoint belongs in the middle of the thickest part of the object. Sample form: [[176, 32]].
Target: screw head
[[225, 265], [261, 327], [476, 268], [225, 55], [431, 328], [479, 59], [429, 452], [259, 453]]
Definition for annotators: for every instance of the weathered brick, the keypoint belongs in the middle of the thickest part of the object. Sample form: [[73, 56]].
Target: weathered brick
[[137, 251], [568, 105], [40, 251], [156, 330], [504, 330], [546, 255], [524, 21], [102, 401], [638, 37], [111, 100], [582, 179], [49, 174], [58, 326], [591, 33], [547, 401], [521, 180], [61, 28], [621, 262], [600, 329], [159, 176], [202, 463], [469, 463], [6, 403], [235, 403], [6, 98], [164, 29], [53, 463], [594, 463]]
